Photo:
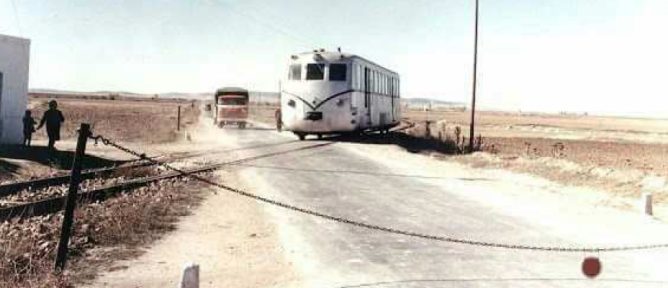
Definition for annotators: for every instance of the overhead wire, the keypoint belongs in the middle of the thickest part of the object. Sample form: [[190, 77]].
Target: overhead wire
[[16, 18], [255, 20]]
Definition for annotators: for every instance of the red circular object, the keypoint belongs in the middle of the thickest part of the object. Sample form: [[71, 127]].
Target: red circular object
[[591, 267]]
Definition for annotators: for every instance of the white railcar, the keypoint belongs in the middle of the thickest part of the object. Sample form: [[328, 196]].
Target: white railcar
[[336, 93]]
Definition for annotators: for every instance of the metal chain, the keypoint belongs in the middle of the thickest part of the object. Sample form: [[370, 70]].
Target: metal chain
[[364, 225]]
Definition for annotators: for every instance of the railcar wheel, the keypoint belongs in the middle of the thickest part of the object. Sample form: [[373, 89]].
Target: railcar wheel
[[221, 124], [319, 136], [242, 125], [301, 136]]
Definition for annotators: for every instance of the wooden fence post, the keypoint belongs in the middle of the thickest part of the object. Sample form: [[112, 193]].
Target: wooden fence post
[[178, 119], [75, 179]]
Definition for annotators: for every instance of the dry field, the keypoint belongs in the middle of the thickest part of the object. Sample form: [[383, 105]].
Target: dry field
[[126, 120], [624, 156], [619, 143], [146, 122]]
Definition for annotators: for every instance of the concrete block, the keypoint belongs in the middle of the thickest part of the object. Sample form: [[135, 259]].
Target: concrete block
[[647, 203], [190, 276]]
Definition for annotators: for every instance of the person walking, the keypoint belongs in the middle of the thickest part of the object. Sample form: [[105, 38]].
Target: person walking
[[28, 128], [279, 123], [53, 119]]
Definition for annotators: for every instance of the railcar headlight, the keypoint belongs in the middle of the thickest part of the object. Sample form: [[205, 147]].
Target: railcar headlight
[[340, 102], [292, 103]]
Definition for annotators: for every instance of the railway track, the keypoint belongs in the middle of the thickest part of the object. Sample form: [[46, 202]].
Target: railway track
[[55, 204], [407, 125], [17, 187]]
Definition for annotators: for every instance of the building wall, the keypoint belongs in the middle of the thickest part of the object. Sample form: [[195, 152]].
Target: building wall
[[14, 66]]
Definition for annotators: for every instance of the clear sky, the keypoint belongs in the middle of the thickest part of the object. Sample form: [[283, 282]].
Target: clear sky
[[605, 56]]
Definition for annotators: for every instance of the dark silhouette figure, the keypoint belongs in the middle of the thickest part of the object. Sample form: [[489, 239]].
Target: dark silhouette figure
[[28, 128], [279, 122], [53, 119]]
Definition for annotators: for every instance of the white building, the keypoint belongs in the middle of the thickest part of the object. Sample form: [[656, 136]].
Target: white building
[[14, 62]]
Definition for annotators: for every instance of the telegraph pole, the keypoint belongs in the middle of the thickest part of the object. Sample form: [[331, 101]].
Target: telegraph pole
[[475, 76]]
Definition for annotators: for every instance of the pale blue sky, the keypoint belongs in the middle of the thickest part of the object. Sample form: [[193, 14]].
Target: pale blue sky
[[604, 56]]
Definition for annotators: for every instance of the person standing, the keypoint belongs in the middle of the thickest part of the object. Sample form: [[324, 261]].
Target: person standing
[[53, 119], [279, 122], [28, 128]]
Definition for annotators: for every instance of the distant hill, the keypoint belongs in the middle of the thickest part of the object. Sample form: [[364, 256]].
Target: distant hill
[[262, 96], [428, 103]]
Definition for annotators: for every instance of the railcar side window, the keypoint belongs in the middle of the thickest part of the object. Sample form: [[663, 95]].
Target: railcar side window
[[295, 72], [315, 71], [337, 72], [356, 74]]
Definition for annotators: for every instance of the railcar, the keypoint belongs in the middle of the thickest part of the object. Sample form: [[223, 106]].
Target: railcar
[[336, 93]]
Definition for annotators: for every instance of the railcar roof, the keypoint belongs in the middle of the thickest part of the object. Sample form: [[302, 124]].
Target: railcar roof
[[336, 56]]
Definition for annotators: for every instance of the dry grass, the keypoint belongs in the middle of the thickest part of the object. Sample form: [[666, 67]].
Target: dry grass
[[598, 152], [265, 113], [574, 122], [131, 220], [129, 121], [147, 122]]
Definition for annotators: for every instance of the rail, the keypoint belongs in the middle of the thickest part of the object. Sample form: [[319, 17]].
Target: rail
[[9, 189], [55, 204]]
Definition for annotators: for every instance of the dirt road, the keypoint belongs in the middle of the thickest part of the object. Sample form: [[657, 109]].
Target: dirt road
[[387, 186]]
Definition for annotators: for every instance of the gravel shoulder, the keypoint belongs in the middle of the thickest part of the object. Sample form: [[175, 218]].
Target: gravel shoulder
[[226, 235], [229, 236]]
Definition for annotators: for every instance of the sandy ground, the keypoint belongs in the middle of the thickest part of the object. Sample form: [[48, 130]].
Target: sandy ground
[[402, 190], [523, 187], [228, 236]]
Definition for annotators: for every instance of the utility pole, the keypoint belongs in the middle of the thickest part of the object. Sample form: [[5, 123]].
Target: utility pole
[[475, 79]]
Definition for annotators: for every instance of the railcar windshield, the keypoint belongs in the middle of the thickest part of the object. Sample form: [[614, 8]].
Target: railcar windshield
[[295, 72], [315, 71], [337, 72]]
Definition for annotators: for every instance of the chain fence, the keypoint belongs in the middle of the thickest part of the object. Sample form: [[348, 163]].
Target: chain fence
[[374, 227]]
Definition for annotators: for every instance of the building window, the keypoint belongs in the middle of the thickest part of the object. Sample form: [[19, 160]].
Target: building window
[[337, 72], [295, 72], [315, 71]]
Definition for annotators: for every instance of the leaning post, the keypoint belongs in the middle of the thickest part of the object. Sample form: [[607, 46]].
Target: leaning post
[[178, 119], [75, 179]]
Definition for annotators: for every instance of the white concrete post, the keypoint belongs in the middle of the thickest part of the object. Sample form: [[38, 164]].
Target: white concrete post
[[647, 201], [190, 276]]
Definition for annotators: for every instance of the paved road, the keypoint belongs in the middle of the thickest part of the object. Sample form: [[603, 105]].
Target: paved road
[[403, 195]]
